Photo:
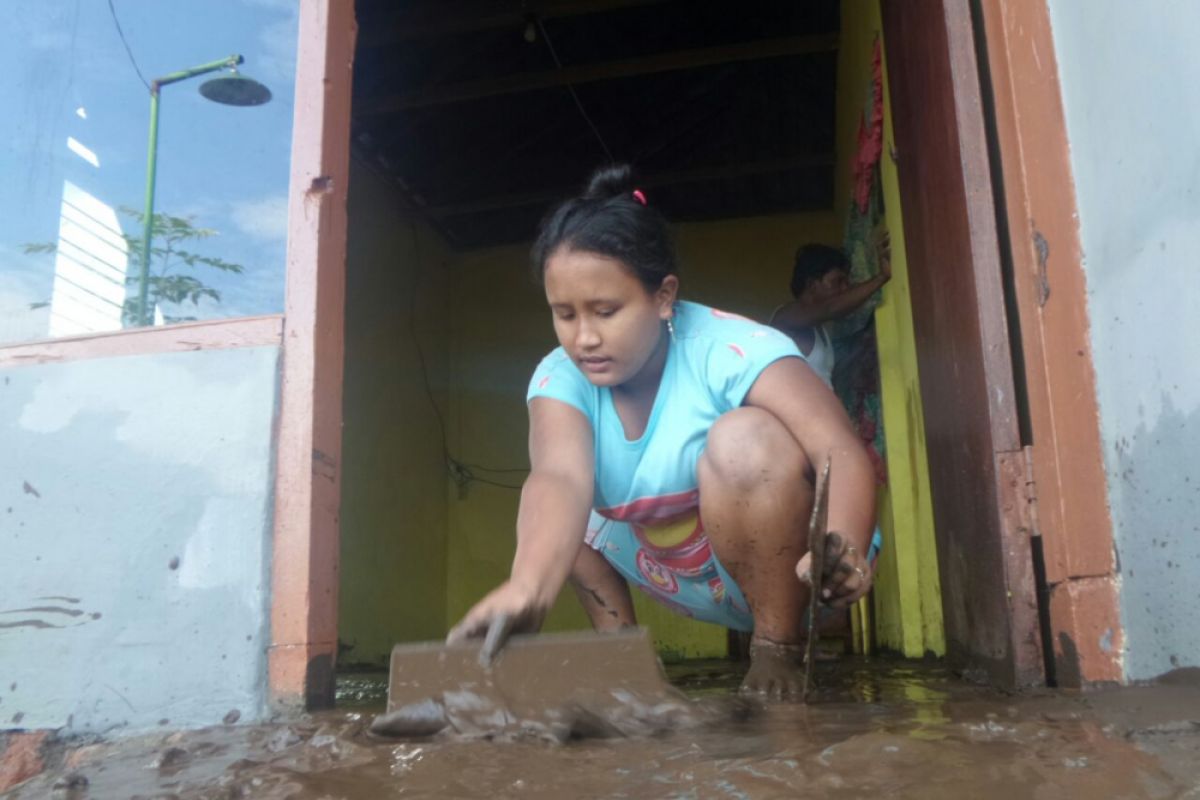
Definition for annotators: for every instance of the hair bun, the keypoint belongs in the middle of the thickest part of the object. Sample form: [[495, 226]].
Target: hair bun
[[611, 221], [610, 181]]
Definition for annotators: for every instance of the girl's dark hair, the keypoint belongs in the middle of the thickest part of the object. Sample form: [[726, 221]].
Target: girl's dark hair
[[611, 220], [813, 262]]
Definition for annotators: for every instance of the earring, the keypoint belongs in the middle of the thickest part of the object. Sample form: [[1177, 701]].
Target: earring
[[671, 327]]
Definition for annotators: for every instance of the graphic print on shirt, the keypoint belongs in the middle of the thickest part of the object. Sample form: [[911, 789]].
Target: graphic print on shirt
[[716, 588], [657, 577], [671, 534], [719, 314]]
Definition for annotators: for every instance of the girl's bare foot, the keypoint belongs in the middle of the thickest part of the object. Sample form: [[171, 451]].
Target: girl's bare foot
[[776, 670]]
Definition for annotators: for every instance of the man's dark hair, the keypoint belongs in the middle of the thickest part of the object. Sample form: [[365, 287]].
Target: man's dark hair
[[813, 262]]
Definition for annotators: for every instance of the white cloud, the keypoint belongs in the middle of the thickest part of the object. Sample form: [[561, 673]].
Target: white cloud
[[199, 209], [276, 62], [265, 218], [49, 40]]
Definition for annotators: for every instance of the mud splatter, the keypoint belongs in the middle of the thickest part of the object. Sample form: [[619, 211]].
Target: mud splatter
[[895, 730]]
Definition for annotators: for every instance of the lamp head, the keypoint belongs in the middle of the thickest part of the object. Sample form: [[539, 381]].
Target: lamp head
[[235, 89]]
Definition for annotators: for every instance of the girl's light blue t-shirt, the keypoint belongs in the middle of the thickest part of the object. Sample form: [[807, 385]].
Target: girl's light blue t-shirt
[[713, 360]]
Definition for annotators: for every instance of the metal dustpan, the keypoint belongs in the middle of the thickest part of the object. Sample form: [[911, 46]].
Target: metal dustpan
[[535, 680]]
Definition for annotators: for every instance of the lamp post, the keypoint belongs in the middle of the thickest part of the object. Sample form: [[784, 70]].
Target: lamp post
[[232, 90]]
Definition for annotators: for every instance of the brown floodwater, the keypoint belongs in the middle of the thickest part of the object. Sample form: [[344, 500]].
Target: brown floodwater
[[882, 728]]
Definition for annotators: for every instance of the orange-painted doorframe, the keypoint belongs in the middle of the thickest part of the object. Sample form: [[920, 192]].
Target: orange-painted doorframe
[[976, 465], [1050, 291], [304, 573], [1050, 484]]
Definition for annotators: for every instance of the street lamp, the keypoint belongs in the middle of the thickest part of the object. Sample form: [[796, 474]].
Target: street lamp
[[230, 90]]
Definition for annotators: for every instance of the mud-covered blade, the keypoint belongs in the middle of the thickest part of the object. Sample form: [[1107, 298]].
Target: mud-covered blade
[[534, 678], [817, 530]]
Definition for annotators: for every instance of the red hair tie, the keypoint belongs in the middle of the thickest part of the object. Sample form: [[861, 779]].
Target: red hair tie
[[637, 195]]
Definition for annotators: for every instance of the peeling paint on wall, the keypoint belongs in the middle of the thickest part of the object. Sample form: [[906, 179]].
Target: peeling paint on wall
[[1133, 154], [134, 587]]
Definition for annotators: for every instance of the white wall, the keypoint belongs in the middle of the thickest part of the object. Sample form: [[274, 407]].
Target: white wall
[[1130, 77], [135, 524]]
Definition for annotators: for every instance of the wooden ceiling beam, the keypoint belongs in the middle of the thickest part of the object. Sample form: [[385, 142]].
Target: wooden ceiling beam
[[587, 73], [448, 19], [650, 181]]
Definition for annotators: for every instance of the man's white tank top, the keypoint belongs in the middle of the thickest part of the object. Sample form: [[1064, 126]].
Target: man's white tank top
[[821, 357]]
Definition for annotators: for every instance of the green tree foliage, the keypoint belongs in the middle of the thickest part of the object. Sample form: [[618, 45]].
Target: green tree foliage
[[176, 271]]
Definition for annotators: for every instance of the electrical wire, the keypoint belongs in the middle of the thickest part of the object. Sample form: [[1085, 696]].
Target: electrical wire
[[578, 103], [459, 472], [412, 330], [497, 470], [477, 479], [128, 50]]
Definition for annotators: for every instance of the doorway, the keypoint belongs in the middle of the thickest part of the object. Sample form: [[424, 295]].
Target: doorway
[[467, 126]]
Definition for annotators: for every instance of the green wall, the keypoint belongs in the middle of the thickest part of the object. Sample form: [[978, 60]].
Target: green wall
[[393, 515]]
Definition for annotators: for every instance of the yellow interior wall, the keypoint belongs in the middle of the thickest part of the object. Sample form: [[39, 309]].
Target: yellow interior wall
[[393, 512], [417, 549], [907, 599], [501, 329]]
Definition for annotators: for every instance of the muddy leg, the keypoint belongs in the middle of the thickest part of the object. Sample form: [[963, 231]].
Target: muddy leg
[[756, 495], [602, 592]]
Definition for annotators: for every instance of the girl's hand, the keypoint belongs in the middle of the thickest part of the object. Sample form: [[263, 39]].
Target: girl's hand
[[508, 609], [848, 575]]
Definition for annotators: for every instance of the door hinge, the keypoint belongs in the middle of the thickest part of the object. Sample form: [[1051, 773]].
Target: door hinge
[[1031, 497]]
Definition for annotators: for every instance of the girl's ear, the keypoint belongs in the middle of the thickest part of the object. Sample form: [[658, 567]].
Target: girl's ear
[[666, 295]]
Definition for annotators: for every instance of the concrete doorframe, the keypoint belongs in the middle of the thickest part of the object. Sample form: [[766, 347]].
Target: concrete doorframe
[[1038, 205], [976, 463], [985, 77], [304, 573]]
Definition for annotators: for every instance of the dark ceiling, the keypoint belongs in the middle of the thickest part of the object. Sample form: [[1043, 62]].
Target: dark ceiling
[[725, 109]]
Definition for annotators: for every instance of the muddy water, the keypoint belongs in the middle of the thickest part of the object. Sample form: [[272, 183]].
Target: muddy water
[[892, 729]]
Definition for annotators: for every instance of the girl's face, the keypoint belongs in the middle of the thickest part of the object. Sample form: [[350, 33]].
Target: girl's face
[[604, 317]]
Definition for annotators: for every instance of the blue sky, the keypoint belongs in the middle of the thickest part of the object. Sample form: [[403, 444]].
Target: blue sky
[[67, 75]]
